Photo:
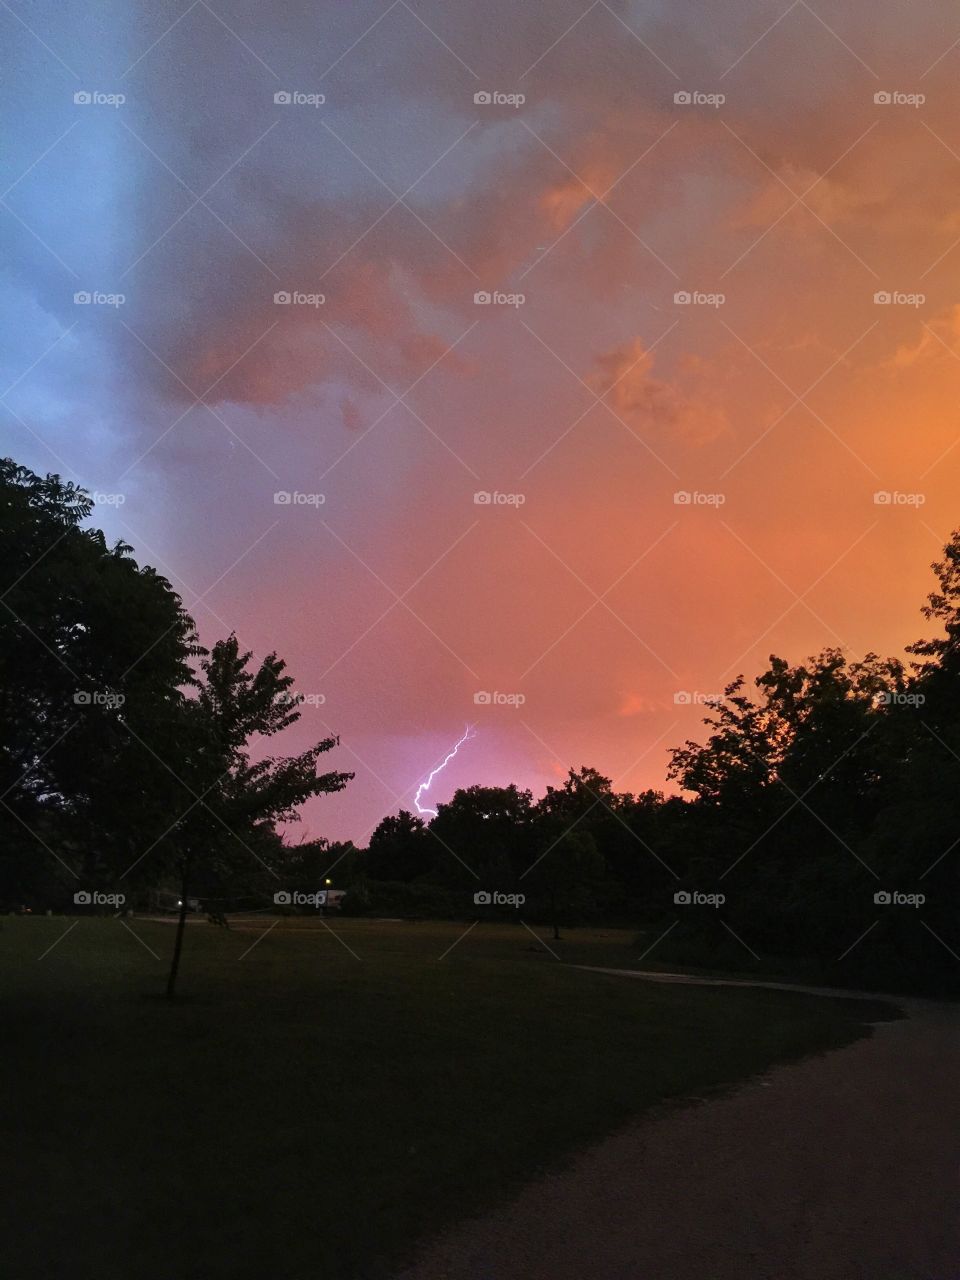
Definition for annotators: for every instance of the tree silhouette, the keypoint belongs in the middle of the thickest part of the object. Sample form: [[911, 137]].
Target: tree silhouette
[[238, 800], [94, 652]]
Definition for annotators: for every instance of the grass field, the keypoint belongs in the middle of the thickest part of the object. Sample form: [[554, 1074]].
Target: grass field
[[316, 1101]]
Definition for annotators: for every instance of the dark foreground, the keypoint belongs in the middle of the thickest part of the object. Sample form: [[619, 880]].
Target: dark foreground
[[318, 1103]]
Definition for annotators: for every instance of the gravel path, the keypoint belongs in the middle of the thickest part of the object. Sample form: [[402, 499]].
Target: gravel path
[[843, 1167]]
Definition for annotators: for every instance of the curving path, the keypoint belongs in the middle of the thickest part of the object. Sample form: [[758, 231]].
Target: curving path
[[842, 1167]]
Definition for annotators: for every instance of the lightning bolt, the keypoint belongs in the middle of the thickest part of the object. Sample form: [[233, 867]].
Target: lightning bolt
[[468, 733]]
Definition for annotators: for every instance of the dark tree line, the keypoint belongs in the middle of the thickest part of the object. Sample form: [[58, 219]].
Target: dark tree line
[[816, 833], [822, 806]]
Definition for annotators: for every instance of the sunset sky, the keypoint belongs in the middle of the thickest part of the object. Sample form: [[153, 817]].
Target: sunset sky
[[783, 195]]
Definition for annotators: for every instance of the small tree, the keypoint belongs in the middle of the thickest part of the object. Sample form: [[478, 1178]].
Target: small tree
[[565, 873], [237, 801]]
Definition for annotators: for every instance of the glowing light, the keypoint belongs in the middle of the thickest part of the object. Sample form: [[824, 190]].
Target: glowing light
[[468, 733]]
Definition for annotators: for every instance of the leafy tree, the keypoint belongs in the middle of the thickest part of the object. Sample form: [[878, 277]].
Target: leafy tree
[[232, 801], [94, 652], [737, 763], [480, 830], [937, 671], [564, 875], [627, 832], [399, 849]]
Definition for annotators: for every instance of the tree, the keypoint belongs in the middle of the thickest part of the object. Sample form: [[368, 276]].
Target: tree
[[623, 828], [399, 849], [480, 829], [231, 801], [94, 652], [787, 790], [738, 761], [565, 873]]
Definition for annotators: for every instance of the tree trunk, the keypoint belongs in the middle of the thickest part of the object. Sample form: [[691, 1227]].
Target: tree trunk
[[556, 920], [181, 926]]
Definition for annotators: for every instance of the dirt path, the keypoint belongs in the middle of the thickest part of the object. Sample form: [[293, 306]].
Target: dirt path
[[844, 1167]]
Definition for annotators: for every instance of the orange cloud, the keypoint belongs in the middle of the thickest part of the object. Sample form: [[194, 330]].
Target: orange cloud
[[623, 376], [564, 200], [635, 704], [939, 338]]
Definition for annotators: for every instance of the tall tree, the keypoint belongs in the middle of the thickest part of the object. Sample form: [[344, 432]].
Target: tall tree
[[94, 649]]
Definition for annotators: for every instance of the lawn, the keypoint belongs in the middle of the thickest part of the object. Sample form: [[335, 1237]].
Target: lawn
[[316, 1101]]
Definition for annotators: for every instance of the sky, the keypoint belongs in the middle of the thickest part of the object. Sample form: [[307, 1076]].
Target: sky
[[601, 349]]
